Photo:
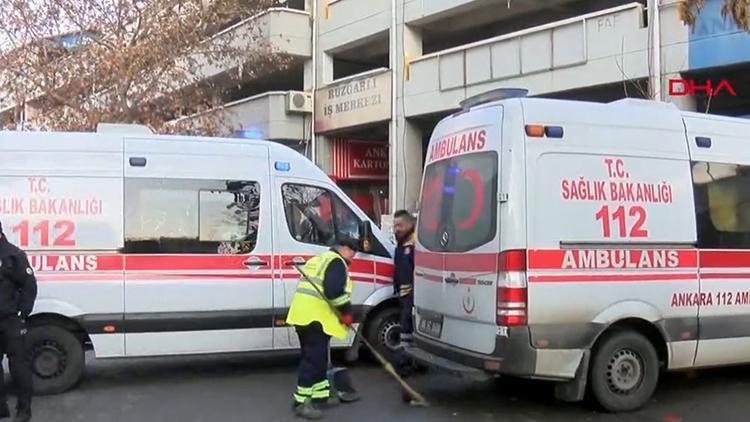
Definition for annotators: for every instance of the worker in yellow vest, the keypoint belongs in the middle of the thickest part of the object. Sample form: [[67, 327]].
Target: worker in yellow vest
[[315, 321]]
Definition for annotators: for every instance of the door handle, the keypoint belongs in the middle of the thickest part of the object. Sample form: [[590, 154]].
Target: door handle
[[419, 273], [295, 262], [451, 279], [255, 263]]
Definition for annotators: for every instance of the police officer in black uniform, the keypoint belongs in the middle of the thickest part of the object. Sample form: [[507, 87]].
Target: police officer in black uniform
[[17, 296]]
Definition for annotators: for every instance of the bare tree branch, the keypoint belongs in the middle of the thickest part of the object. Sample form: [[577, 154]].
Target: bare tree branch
[[130, 60]]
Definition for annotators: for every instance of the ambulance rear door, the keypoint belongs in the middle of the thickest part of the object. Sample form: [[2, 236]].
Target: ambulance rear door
[[458, 232]]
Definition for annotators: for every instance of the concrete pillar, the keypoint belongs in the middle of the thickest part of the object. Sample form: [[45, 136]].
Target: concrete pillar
[[323, 144], [405, 166], [405, 137], [683, 102], [323, 75], [654, 27]]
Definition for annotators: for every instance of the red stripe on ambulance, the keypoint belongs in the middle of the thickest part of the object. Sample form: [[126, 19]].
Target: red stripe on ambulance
[[609, 278], [81, 267], [466, 262], [725, 259], [596, 259]]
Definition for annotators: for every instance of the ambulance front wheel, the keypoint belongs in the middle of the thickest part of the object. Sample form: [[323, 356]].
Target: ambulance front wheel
[[624, 371], [383, 331], [57, 359]]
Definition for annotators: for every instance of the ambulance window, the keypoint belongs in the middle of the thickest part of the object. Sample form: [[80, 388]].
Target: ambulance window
[[308, 214], [473, 206], [431, 205], [231, 218], [722, 205], [458, 209], [315, 215], [190, 216]]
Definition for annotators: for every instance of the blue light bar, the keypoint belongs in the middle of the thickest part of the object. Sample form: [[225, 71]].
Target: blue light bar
[[282, 166], [449, 189], [249, 134]]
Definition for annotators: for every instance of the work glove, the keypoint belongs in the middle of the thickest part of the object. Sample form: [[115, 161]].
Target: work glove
[[346, 320]]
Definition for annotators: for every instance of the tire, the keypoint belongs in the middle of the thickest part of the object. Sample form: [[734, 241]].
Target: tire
[[57, 359], [383, 331], [624, 371]]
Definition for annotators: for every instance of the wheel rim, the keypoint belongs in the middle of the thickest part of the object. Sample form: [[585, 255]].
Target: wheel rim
[[390, 335], [624, 371], [49, 360]]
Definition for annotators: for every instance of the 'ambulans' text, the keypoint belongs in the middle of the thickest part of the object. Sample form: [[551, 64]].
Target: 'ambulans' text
[[457, 144], [616, 259]]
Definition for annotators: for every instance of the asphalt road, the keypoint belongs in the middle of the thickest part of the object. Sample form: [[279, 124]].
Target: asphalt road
[[252, 388]]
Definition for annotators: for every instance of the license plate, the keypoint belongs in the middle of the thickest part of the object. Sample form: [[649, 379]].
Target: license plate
[[433, 327]]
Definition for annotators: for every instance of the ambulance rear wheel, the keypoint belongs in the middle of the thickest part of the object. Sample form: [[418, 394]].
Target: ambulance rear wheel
[[57, 359], [624, 371]]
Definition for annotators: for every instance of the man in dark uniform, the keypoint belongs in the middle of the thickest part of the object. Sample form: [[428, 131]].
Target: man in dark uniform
[[403, 277], [17, 296]]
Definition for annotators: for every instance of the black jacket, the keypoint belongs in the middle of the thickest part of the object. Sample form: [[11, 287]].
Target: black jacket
[[17, 281], [403, 261]]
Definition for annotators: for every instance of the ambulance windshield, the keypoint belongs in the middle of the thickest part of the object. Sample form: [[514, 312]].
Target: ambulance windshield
[[458, 207]]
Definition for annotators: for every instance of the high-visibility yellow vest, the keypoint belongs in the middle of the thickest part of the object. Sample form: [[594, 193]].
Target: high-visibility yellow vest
[[309, 305]]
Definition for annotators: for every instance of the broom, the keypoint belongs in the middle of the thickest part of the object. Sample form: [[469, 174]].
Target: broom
[[417, 399]]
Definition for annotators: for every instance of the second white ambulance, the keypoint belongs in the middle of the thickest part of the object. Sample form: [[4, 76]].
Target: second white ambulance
[[595, 245], [147, 245]]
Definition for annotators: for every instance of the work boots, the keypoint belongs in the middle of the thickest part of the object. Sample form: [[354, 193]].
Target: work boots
[[23, 411], [308, 410]]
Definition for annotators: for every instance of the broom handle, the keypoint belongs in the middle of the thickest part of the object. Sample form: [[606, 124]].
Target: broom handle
[[382, 360]]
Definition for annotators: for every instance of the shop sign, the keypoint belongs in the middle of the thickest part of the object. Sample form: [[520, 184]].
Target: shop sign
[[353, 159], [353, 102]]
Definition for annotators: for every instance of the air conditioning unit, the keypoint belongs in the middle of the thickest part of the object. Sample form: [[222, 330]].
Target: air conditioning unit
[[299, 102]]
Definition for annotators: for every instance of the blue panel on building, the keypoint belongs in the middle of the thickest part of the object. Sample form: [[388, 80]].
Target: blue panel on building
[[716, 41]]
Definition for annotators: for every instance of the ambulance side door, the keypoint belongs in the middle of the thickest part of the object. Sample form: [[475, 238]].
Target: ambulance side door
[[721, 182], [198, 238], [311, 214]]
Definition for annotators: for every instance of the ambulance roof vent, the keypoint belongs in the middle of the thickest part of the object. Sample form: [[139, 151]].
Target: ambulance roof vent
[[494, 95], [123, 128]]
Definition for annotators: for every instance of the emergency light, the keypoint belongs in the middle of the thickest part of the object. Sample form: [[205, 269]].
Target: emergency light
[[282, 166], [540, 131]]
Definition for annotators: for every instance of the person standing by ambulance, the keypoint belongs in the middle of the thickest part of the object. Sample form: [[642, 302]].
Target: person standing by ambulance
[[403, 277], [17, 296], [326, 285]]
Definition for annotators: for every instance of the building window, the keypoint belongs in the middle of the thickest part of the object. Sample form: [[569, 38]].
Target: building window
[[722, 205], [191, 216]]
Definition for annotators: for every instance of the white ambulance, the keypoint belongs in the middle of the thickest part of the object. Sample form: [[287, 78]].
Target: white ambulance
[[148, 245], [596, 245]]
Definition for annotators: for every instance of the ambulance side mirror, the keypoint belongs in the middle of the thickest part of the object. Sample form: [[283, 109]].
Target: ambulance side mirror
[[365, 234]]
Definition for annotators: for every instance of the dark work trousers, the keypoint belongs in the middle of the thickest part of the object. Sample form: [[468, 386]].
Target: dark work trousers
[[13, 344], [312, 381], [407, 326], [406, 303]]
